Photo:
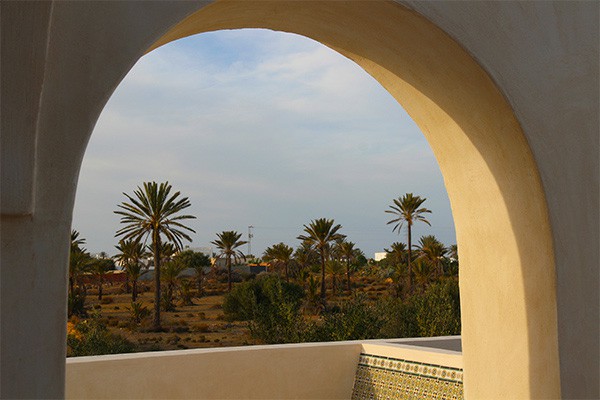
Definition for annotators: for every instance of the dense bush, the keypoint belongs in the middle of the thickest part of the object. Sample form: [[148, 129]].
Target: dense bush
[[438, 310], [271, 306], [400, 318], [273, 309], [91, 337], [354, 320]]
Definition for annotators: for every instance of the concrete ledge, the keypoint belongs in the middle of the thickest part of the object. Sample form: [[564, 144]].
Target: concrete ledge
[[290, 371]]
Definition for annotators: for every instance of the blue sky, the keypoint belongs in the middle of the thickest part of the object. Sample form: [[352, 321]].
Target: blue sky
[[259, 128]]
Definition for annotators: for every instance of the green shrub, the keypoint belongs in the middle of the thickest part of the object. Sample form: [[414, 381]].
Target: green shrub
[[400, 318], [438, 309], [354, 319], [166, 301], [93, 338], [271, 306], [138, 312]]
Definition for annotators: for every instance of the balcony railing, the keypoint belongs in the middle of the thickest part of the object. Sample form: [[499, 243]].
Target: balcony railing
[[333, 370]]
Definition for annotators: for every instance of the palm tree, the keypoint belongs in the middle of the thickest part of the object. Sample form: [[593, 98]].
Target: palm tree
[[100, 267], [76, 241], [79, 263], [453, 249], [280, 253], [227, 243], [348, 254], [423, 273], [130, 256], [320, 233], [79, 260], [334, 268], [197, 261], [433, 252], [170, 271], [397, 255], [304, 257], [406, 209], [153, 212]]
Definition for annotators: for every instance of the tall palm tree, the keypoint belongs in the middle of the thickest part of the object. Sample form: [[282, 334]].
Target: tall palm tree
[[347, 252], [407, 209], [153, 212], [227, 243], [280, 253], [433, 252], [321, 233], [130, 255]]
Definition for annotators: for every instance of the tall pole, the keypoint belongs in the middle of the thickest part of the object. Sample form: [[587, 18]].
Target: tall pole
[[250, 236]]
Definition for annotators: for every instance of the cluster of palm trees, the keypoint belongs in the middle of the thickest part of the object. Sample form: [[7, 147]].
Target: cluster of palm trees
[[431, 253], [322, 244], [81, 263], [154, 224]]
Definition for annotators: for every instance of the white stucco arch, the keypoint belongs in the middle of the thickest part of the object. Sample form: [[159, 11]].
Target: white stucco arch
[[80, 53]]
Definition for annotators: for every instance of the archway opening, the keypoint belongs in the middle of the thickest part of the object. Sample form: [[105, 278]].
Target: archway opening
[[313, 135]]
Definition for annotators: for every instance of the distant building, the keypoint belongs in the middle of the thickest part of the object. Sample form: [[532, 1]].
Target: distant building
[[380, 256]]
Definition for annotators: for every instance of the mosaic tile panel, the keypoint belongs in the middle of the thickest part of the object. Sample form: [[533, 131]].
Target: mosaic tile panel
[[382, 378]]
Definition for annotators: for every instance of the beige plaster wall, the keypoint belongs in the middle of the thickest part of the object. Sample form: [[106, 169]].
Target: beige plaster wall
[[295, 371], [304, 371]]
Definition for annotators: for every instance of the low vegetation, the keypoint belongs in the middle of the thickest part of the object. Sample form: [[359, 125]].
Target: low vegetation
[[324, 290]]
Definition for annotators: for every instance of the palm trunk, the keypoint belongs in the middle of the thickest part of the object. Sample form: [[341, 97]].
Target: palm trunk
[[199, 282], [156, 251], [228, 273], [100, 288], [133, 290], [322, 275], [287, 278], [409, 260]]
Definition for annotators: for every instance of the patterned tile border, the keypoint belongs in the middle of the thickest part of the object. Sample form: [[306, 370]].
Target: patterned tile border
[[379, 377]]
